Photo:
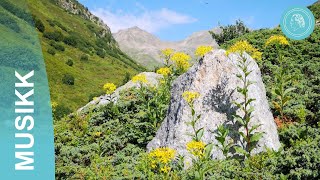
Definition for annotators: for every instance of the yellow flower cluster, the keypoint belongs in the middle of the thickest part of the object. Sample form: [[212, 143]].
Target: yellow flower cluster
[[190, 96], [196, 148], [165, 71], [167, 52], [203, 50], [181, 60], [162, 155], [277, 39], [109, 88], [244, 46], [54, 106], [97, 134], [165, 169], [141, 78]]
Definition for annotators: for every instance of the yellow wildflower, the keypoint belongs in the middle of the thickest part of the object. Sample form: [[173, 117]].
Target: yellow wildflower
[[196, 148], [141, 78], [203, 50], [166, 55], [54, 106], [165, 169], [257, 55], [109, 88], [244, 46], [181, 60], [277, 39], [165, 71], [162, 155], [190, 96], [97, 134], [180, 56], [167, 52]]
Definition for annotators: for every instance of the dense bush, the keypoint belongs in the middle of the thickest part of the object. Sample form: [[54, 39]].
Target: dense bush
[[68, 79], [55, 35], [69, 62], [84, 57], [57, 46], [230, 32], [51, 51], [70, 40], [39, 25]]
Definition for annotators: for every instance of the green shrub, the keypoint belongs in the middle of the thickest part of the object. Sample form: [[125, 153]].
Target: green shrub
[[51, 51], [57, 46], [230, 32], [55, 35], [39, 25], [69, 62], [84, 57], [101, 52], [70, 40], [68, 79]]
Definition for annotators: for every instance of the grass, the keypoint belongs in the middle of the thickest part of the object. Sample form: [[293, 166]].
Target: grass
[[89, 75]]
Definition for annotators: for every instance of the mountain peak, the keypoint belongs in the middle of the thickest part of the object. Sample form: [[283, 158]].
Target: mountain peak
[[145, 47]]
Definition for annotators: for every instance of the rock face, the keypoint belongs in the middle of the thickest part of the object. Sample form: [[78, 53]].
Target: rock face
[[152, 78], [145, 47], [215, 79], [74, 7]]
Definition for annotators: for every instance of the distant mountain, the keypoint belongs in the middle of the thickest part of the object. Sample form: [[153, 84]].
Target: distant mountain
[[145, 47]]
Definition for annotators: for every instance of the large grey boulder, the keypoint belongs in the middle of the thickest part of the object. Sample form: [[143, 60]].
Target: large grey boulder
[[215, 79], [152, 78]]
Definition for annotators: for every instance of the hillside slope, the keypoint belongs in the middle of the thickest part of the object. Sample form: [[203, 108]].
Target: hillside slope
[[145, 48], [79, 51]]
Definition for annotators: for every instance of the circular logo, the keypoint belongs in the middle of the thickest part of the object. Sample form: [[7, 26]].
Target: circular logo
[[297, 23]]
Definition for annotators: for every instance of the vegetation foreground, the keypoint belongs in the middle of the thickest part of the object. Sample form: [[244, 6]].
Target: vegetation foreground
[[108, 142]]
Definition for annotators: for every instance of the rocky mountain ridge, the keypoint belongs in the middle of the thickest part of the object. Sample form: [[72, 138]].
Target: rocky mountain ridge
[[145, 47], [74, 7]]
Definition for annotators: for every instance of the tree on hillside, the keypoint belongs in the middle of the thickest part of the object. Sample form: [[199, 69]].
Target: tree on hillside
[[230, 32]]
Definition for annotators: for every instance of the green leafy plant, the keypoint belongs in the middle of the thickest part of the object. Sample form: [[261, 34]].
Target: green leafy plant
[[201, 152], [282, 78], [221, 137], [250, 136]]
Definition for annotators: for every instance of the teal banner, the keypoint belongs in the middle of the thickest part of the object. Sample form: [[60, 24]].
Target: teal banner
[[26, 125]]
